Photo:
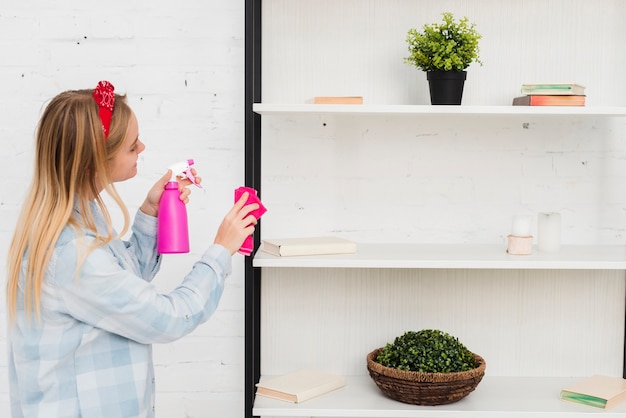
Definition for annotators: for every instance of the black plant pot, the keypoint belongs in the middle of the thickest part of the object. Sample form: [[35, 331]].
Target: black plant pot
[[446, 87]]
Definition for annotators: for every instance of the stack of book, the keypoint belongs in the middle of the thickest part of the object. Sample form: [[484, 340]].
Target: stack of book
[[566, 94]]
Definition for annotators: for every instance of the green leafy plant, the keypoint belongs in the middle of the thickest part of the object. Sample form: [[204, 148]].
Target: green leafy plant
[[448, 46], [429, 351]]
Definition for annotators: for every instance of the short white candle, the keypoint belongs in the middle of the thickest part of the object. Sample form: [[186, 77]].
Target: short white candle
[[549, 232], [521, 226]]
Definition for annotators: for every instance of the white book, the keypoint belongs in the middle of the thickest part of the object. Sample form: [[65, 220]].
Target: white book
[[300, 385], [308, 246]]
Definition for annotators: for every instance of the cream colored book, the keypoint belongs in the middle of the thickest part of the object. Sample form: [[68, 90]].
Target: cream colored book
[[286, 247], [338, 100], [598, 391], [300, 385]]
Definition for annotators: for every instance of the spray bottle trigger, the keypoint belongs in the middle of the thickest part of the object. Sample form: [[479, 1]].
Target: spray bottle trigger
[[191, 177]]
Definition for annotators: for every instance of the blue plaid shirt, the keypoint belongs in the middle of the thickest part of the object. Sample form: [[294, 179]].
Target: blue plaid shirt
[[90, 354]]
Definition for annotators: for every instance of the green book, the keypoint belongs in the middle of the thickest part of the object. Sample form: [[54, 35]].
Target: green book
[[598, 391], [583, 399], [553, 89]]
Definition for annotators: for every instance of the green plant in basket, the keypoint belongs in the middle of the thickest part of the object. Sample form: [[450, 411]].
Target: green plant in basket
[[427, 351], [445, 46]]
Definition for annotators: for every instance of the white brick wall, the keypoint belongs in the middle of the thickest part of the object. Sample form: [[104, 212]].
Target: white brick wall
[[181, 65]]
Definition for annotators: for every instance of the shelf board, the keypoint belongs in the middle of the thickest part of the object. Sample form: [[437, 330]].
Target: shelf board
[[453, 256], [278, 109], [495, 397]]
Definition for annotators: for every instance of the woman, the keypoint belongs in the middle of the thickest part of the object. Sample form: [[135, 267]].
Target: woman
[[82, 311]]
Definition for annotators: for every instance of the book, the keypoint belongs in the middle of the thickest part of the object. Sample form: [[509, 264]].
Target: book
[[286, 247], [598, 391], [549, 100], [300, 385], [338, 100], [553, 89]]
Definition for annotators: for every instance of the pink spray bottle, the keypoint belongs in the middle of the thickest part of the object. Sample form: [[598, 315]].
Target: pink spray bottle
[[173, 230]]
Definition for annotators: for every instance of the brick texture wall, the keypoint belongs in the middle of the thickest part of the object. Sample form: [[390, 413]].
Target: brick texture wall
[[181, 65]]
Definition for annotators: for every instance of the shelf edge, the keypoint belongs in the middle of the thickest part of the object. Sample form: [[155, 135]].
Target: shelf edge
[[267, 109]]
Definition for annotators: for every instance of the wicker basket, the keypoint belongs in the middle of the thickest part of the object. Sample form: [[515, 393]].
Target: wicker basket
[[419, 388]]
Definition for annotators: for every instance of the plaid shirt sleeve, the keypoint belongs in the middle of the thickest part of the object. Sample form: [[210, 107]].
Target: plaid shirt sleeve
[[112, 292], [142, 246]]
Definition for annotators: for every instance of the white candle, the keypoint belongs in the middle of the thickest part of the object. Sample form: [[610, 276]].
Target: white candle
[[549, 232], [521, 226]]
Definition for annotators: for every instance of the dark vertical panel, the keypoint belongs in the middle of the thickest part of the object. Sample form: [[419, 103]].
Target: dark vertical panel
[[252, 179]]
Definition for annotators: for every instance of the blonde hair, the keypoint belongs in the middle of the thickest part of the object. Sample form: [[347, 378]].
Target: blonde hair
[[71, 168]]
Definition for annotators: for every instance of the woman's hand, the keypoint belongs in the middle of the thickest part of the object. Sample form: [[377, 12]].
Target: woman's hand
[[150, 206], [237, 225]]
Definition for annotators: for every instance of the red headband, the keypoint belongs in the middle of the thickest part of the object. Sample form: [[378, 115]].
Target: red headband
[[105, 98]]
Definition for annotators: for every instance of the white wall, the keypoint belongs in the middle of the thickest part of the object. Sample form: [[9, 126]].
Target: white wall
[[181, 65]]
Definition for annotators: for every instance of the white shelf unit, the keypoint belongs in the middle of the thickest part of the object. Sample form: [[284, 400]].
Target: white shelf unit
[[365, 109], [296, 74], [496, 396], [456, 256]]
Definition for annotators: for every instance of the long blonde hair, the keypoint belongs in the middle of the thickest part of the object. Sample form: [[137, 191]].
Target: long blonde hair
[[71, 166]]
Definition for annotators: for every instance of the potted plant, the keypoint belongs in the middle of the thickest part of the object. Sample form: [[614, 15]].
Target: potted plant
[[444, 50], [429, 367]]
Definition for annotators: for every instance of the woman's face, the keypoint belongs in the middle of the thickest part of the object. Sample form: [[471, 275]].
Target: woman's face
[[124, 165]]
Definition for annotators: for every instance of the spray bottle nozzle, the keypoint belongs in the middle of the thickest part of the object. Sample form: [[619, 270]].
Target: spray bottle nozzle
[[183, 169]]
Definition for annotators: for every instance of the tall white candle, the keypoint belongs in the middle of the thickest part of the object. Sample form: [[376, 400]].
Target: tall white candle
[[549, 232], [521, 226]]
